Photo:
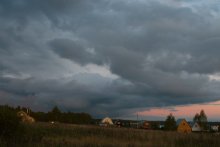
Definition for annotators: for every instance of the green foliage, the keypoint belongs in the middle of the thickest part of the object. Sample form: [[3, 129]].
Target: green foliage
[[54, 114], [170, 123], [8, 117], [201, 119], [65, 117], [56, 110], [196, 118], [9, 122]]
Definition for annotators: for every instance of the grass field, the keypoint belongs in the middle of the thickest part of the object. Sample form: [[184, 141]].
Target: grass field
[[63, 135]]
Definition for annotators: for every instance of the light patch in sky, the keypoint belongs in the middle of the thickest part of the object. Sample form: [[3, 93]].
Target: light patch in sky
[[101, 70], [20, 76], [196, 4], [72, 69], [215, 77], [91, 51]]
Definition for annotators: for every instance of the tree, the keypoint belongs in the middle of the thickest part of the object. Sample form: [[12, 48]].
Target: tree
[[196, 118], [56, 110], [55, 114], [170, 122], [201, 119]]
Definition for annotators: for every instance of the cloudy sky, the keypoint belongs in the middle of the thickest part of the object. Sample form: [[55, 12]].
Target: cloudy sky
[[111, 57]]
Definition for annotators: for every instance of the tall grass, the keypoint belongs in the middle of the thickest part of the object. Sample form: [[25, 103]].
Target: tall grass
[[59, 135]]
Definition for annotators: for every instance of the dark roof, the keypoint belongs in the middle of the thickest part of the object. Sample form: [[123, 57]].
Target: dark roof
[[191, 123], [179, 121]]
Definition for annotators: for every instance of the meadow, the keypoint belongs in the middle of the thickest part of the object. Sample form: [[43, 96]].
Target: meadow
[[68, 135]]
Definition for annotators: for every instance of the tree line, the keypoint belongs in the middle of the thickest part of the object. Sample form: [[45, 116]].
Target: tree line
[[65, 117], [55, 115]]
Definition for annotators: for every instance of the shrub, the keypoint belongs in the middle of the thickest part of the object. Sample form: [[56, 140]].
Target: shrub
[[9, 122]]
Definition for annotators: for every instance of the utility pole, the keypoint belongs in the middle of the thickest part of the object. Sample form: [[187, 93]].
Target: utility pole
[[137, 120]]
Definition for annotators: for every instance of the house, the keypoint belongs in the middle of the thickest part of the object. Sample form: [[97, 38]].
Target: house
[[144, 125], [214, 128], [134, 124], [161, 126], [106, 122], [196, 127], [118, 123], [183, 126], [25, 118]]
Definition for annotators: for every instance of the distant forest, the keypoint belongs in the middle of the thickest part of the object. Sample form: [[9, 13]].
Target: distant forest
[[54, 115]]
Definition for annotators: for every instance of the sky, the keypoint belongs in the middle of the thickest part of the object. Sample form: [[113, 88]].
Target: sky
[[115, 58]]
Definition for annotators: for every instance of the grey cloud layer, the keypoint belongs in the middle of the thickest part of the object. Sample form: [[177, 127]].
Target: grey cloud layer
[[162, 54]]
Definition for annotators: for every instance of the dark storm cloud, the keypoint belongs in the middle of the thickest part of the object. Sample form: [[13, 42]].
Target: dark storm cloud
[[159, 54], [72, 50]]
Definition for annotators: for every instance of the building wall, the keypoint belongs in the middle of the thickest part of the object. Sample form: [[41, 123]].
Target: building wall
[[184, 127], [196, 128]]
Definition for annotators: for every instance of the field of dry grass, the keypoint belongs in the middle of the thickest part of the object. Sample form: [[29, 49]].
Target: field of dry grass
[[62, 135]]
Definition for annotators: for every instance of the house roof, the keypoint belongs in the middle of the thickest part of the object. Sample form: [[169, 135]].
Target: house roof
[[191, 123], [107, 120], [179, 121]]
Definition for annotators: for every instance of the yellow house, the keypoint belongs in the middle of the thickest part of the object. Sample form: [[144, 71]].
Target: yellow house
[[25, 117], [183, 126]]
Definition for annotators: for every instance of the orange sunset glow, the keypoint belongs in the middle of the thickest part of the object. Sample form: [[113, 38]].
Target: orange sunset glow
[[212, 110]]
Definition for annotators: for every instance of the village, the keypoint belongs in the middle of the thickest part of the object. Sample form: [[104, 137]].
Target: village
[[199, 124], [182, 126], [21, 126]]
